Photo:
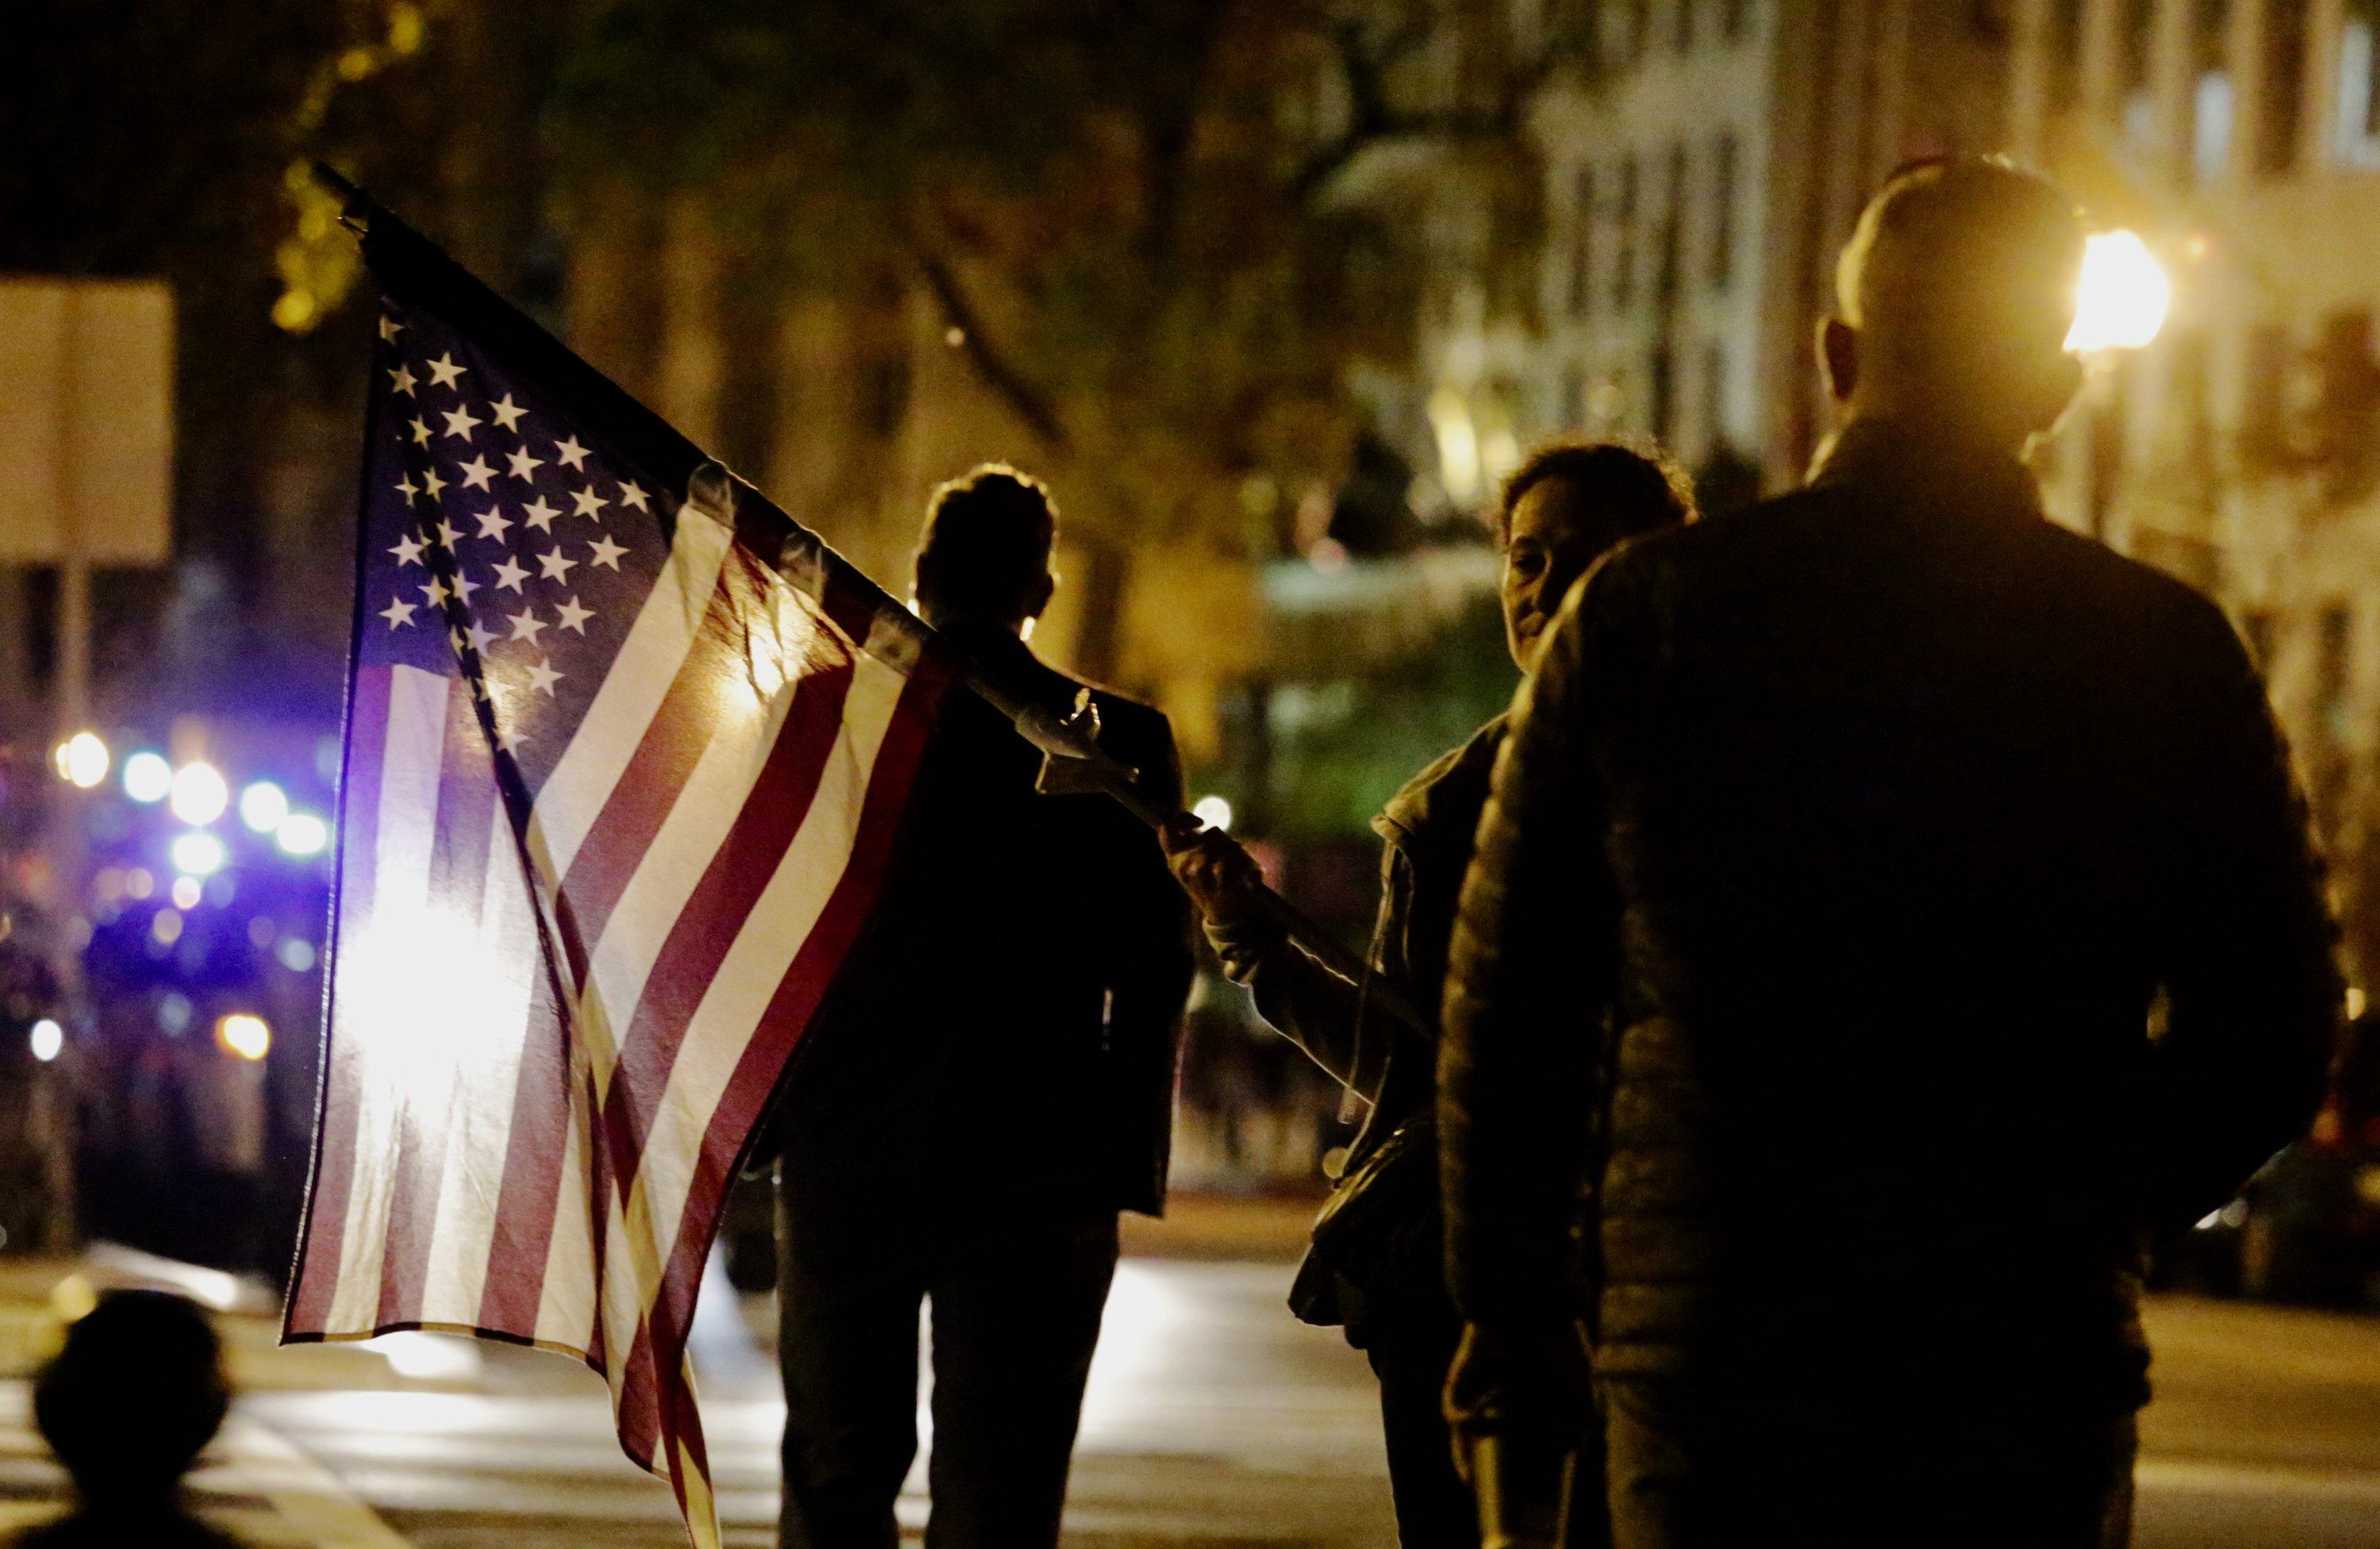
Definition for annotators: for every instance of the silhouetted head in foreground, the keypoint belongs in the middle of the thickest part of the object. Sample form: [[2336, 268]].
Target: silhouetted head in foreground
[[1955, 296], [1565, 507], [128, 1405], [984, 556]]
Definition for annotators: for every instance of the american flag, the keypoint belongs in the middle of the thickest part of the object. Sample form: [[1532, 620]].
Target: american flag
[[626, 750]]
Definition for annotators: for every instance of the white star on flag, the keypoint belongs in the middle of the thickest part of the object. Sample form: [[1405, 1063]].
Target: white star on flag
[[408, 551], [481, 639], [492, 524], [506, 415], [589, 504], [464, 586], [509, 736], [526, 625], [570, 452], [461, 423], [398, 612], [633, 497], [554, 567], [476, 473], [607, 553], [444, 372], [509, 575], [540, 515], [408, 489], [403, 378], [574, 618], [430, 482], [434, 593], [448, 536], [542, 677], [389, 328], [524, 466], [420, 432]]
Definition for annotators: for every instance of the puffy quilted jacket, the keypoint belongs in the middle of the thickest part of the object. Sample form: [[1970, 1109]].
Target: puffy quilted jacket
[[1948, 878]]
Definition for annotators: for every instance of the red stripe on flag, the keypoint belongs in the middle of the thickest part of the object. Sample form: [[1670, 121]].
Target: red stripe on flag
[[786, 1019], [714, 915], [648, 789]]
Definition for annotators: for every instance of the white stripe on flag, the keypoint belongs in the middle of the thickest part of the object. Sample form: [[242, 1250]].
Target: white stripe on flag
[[566, 1311], [374, 1012], [608, 737], [779, 923], [479, 1120]]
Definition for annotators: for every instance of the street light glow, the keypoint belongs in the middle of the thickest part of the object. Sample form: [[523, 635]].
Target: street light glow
[[197, 855], [262, 806], [2121, 301], [47, 1039], [200, 793], [82, 760], [245, 1034], [1215, 813], [147, 777], [302, 834]]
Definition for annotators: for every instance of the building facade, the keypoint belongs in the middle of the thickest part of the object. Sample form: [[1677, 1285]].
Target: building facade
[[2241, 449], [1702, 162]]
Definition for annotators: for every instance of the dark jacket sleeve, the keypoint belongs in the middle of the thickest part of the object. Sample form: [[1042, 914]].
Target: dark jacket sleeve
[[1531, 967], [1304, 1001], [1152, 966], [2247, 944]]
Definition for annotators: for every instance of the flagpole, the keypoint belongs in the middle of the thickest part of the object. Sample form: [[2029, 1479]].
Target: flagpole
[[1068, 744]]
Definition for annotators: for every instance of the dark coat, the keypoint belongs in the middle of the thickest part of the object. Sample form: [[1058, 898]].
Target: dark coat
[[1426, 830], [1010, 1018], [1884, 813]]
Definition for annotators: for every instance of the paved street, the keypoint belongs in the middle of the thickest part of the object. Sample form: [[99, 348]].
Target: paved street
[[1214, 1420]]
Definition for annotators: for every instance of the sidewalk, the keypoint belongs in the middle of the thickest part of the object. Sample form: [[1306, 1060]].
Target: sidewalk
[[251, 1482]]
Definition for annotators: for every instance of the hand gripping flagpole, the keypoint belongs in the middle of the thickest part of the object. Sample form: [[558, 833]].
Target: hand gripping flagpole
[[1072, 758]]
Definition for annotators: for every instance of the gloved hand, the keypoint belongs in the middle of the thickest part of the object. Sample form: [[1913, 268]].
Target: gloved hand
[[1221, 877]]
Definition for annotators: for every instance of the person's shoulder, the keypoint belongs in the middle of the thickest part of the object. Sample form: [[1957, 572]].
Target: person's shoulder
[[1455, 781], [2136, 595]]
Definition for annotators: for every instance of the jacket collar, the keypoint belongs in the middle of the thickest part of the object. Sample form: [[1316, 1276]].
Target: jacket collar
[[1913, 464], [1454, 787]]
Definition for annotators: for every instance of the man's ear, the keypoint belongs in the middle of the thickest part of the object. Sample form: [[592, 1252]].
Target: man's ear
[[1839, 357], [1037, 601]]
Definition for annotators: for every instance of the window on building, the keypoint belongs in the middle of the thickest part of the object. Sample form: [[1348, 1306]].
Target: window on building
[[2281, 102], [2356, 135], [2334, 674], [1733, 15], [2211, 98], [2185, 393], [2065, 53], [1715, 397], [2256, 629], [1581, 244], [1669, 260], [1624, 252], [1661, 374], [2263, 387], [1722, 252]]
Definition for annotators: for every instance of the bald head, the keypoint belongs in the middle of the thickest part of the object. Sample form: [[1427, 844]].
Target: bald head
[[1955, 295]]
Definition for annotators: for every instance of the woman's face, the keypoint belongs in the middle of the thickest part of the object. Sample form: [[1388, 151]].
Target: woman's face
[[1557, 531]]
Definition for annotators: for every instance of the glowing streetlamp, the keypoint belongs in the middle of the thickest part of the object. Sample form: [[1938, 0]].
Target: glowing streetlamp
[[2121, 301], [245, 1034], [82, 759]]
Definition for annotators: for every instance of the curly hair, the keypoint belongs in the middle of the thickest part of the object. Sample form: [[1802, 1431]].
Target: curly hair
[[987, 540], [1638, 482]]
